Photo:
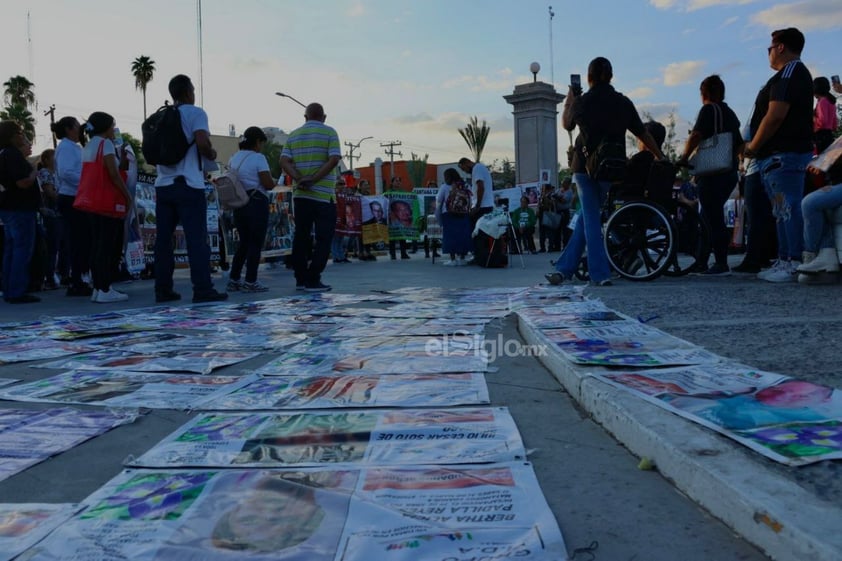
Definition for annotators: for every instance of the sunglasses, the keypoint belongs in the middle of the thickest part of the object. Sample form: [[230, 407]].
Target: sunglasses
[[771, 48]]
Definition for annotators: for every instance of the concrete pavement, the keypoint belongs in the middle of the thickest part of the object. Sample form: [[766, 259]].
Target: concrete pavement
[[590, 481]]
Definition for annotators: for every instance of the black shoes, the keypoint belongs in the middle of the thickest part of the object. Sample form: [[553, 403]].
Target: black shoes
[[405, 256], [210, 296], [167, 296], [317, 287], [23, 299]]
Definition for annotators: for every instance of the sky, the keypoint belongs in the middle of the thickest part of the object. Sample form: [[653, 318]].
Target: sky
[[412, 71]]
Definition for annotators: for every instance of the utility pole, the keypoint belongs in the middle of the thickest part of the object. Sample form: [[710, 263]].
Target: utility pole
[[351, 147], [391, 153], [52, 113]]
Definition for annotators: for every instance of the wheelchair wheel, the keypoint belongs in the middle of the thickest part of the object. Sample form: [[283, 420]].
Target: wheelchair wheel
[[693, 242], [639, 241]]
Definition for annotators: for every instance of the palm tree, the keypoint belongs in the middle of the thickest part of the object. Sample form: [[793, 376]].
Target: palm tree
[[475, 136], [143, 68], [20, 115], [18, 91]]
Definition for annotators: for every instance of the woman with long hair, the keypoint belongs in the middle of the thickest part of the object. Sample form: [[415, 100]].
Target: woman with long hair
[[19, 203], [106, 230], [715, 117], [251, 220]]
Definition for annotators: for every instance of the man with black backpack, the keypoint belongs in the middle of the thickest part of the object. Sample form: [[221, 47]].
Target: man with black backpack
[[176, 138], [603, 116]]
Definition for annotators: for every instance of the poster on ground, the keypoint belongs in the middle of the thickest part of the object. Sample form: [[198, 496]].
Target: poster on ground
[[419, 362], [426, 513], [373, 437], [198, 361], [22, 349], [126, 389], [28, 437], [329, 392], [24, 525], [791, 421]]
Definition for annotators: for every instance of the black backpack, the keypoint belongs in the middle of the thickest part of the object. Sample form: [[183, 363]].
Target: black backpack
[[164, 142]]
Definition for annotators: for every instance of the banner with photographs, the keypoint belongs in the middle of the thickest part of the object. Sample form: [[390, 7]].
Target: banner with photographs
[[198, 361], [626, 344], [28, 437], [418, 362], [22, 349], [321, 392], [791, 421], [404, 214], [24, 525], [280, 230], [348, 214], [375, 226], [389, 437], [126, 389], [412, 514], [145, 207]]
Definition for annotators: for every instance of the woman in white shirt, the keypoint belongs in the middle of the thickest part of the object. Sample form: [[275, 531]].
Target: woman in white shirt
[[106, 230], [252, 219], [75, 235]]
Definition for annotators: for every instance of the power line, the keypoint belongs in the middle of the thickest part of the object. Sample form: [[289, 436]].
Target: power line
[[391, 153]]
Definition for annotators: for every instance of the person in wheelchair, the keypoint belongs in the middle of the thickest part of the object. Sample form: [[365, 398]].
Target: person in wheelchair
[[639, 166], [603, 116]]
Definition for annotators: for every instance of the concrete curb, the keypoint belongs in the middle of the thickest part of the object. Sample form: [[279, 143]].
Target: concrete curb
[[727, 479]]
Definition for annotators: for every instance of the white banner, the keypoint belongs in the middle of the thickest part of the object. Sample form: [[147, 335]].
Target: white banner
[[418, 514], [390, 437]]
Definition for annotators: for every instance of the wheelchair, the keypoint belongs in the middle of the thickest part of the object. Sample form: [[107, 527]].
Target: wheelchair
[[652, 233]]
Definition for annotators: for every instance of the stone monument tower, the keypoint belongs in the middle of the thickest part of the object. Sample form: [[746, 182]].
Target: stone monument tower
[[536, 129]]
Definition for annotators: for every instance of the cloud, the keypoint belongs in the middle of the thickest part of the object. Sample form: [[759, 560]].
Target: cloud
[[504, 81], [730, 21], [451, 121], [357, 10], [693, 5], [809, 15], [678, 73], [640, 93], [413, 119]]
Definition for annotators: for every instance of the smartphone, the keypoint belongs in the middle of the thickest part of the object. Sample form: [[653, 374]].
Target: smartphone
[[576, 83], [835, 79]]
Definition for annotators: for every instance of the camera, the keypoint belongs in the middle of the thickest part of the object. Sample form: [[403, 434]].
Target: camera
[[576, 83]]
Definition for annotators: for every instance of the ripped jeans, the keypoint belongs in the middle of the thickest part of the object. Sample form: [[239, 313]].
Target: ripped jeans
[[783, 178]]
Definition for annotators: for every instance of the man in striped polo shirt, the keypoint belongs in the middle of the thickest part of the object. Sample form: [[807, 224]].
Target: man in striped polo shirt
[[309, 157]]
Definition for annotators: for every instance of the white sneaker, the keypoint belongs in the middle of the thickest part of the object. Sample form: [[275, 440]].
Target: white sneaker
[[786, 273], [107, 297], [451, 263], [94, 295], [827, 261], [774, 268]]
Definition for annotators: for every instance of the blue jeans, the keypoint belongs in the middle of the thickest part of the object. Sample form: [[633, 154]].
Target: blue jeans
[[174, 204], [310, 257], [18, 245], [588, 232], [818, 231], [714, 190], [251, 222], [783, 178]]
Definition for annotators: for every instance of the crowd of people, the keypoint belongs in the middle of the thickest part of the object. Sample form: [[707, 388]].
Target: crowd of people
[[50, 239]]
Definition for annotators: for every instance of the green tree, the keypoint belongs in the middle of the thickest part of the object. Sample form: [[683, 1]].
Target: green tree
[[136, 146], [143, 68], [417, 168], [22, 116], [18, 91], [475, 136], [272, 151], [503, 172]]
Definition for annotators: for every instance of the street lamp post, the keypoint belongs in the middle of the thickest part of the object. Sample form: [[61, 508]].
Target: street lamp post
[[351, 147], [281, 94]]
